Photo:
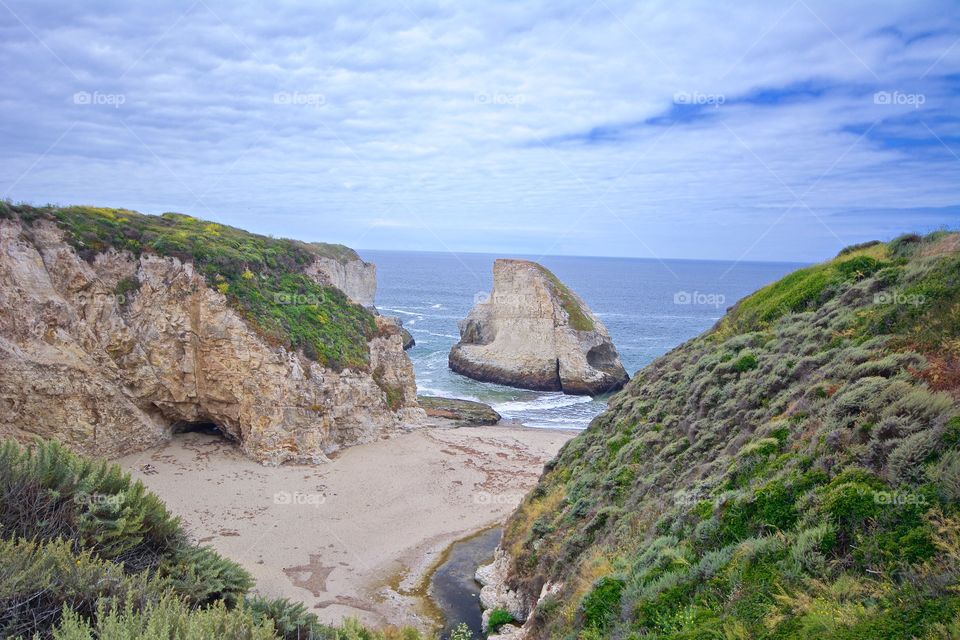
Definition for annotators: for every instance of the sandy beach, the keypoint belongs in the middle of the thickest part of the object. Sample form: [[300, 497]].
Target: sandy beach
[[354, 537]]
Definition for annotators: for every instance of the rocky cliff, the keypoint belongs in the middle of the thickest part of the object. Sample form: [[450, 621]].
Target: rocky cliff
[[534, 332], [341, 267], [118, 328], [792, 473]]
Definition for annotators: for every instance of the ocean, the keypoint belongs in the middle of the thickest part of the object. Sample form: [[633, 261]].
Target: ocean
[[649, 307]]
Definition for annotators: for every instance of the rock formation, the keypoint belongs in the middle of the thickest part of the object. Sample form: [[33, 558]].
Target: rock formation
[[465, 413], [109, 374], [534, 332], [339, 266]]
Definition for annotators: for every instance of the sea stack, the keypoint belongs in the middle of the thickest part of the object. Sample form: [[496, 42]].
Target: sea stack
[[533, 332]]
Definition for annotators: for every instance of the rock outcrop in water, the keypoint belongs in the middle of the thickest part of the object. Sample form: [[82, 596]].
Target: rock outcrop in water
[[534, 332], [110, 353]]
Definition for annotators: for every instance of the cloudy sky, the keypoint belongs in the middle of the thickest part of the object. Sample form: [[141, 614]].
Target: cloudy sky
[[772, 130]]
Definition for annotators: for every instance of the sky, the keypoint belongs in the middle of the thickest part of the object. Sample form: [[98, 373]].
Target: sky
[[770, 130]]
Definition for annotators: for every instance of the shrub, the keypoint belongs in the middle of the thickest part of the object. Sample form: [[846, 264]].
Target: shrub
[[202, 576], [291, 620], [601, 606], [746, 363], [37, 581], [47, 492], [498, 618], [946, 476], [461, 632], [166, 619]]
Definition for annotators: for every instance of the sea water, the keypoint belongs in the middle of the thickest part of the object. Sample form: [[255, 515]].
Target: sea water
[[649, 307]]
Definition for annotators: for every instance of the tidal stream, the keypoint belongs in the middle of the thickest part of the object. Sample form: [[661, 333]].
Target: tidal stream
[[452, 586]]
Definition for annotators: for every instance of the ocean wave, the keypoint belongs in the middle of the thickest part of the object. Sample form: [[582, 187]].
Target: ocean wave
[[551, 424], [401, 311], [432, 333], [551, 401]]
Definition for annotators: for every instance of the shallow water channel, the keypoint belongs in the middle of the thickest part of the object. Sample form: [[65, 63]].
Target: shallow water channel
[[452, 586]]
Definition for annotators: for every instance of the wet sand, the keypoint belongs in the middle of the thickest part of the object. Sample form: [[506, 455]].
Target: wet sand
[[354, 537]]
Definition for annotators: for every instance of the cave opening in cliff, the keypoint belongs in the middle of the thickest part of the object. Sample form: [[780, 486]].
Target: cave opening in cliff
[[204, 427]]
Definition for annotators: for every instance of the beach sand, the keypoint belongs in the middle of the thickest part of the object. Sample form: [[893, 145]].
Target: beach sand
[[354, 537]]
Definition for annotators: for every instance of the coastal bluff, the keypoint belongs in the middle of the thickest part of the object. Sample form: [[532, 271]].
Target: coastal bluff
[[119, 329], [535, 333]]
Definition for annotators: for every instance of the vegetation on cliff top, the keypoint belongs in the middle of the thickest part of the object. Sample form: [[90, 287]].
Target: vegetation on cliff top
[[87, 553], [262, 278], [579, 319], [793, 473]]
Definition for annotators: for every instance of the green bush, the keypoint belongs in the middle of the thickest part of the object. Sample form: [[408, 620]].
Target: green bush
[[290, 620], [168, 619], [38, 580], [498, 618], [202, 576], [601, 606], [47, 492], [746, 363]]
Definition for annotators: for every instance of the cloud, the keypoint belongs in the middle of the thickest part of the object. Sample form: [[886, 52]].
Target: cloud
[[700, 130]]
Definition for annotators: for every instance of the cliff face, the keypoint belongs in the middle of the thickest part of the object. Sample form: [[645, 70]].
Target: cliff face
[[347, 272], [792, 473], [109, 373], [533, 332]]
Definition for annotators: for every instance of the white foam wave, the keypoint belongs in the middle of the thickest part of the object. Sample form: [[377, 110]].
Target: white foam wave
[[547, 401], [402, 311], [432, 333], [558, 424]]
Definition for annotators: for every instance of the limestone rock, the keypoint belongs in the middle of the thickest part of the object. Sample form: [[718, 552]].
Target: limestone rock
[[495, 592], [347, 272], [534, 332], [111, 374]]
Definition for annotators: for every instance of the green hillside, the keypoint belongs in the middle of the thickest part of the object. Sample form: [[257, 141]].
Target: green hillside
[[261, 277], [792, 473]]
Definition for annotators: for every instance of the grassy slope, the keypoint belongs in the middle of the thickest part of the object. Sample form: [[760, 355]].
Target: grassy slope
[[579, 320], [793, 473], [261, 277]]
